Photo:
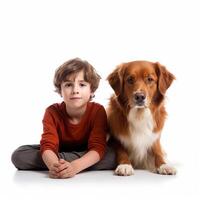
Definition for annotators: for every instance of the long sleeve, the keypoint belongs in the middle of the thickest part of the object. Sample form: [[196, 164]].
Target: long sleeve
[[97, 138], [61, 136], [49, 140]]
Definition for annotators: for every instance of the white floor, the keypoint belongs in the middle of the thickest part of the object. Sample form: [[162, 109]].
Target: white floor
[[100, 185]]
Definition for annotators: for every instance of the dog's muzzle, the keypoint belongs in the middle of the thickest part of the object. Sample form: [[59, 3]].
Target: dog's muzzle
[[139, 98]]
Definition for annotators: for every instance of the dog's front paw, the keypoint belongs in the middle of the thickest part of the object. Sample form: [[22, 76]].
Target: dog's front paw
[[124, 170], [165, 169]]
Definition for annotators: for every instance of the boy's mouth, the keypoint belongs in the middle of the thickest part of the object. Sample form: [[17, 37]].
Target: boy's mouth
[[75, 98]]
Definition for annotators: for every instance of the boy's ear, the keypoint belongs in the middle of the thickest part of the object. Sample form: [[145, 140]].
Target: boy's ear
[[92, 95], [61, 93]]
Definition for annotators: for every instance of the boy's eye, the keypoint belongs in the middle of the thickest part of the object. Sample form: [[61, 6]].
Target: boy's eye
[[68, 84], [82, 84]]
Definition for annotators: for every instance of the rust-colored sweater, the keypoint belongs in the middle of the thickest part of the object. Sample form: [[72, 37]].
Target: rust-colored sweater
[[59, 135]]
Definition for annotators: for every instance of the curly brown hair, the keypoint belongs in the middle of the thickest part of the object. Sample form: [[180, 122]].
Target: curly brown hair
[[74, 66]]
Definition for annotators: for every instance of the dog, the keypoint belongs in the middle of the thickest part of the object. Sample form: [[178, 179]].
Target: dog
[[136, 116]]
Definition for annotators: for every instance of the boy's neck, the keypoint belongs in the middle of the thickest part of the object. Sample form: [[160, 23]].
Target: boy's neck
[[75, 115]]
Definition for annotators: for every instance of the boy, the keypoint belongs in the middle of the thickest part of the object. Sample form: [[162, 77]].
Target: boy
[[74, 131]]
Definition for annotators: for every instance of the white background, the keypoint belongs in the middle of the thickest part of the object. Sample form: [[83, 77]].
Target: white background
[[38, 36]]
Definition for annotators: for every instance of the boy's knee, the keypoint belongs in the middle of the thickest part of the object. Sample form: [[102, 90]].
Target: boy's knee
[[17, 159]]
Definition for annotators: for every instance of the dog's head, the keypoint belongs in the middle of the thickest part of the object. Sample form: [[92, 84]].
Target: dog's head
[[140, 83]]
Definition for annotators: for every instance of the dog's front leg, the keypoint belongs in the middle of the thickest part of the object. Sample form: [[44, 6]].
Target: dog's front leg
[[124, 167], [161, 167]]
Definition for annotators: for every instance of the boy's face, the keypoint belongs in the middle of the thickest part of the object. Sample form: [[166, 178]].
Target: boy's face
[[76, 91]]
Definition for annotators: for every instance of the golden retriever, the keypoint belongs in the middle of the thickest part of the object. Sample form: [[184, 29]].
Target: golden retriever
[[136, 116]]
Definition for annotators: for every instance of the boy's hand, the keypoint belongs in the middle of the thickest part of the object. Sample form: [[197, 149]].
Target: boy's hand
[[66, 169], [62, 169], [54, 170]]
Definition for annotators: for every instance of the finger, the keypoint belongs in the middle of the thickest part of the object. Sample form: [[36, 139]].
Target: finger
[[53, 175], [65, 173], [56, 164], [68, 175], [56, 169], [62, 161], [64, 166], [54, 172]]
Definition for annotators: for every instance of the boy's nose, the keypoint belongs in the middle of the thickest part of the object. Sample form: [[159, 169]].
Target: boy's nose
[[75, 89], [75, 92]]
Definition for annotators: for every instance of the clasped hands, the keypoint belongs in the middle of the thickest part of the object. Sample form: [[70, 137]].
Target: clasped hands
[[62, 169]]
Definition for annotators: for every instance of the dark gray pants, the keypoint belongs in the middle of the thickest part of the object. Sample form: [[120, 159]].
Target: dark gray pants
[[28, 157]]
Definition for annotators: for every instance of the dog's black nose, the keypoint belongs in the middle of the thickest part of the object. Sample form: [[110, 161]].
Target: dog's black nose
[[139, 98]]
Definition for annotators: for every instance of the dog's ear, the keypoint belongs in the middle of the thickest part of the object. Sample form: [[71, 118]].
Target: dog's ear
[[115, 79], [165, 78]]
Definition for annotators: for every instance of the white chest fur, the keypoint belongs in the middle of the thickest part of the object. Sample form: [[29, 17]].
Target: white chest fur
[[141, 133]]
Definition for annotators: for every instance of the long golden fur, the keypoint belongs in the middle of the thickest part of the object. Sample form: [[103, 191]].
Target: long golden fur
[[136, 116]]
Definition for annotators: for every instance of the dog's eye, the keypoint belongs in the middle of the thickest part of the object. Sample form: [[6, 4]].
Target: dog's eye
[[149, 80], [130, 80]]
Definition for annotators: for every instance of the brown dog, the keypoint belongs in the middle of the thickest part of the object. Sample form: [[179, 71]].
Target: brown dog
[[136, 116]]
